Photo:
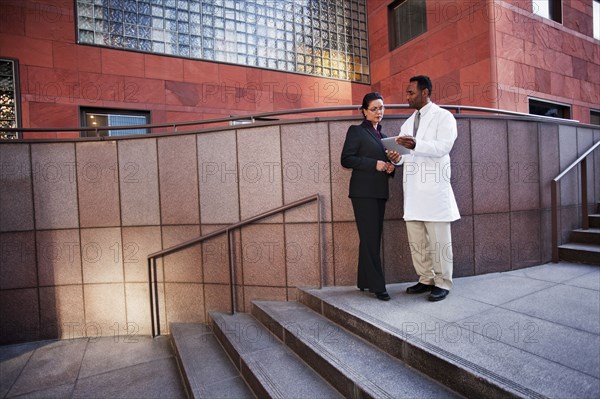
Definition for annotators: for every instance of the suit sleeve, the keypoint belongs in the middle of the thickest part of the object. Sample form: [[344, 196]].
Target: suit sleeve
[[351, 157], [443, 141]]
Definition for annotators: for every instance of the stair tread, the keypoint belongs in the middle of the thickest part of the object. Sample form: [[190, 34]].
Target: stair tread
[[581, 247], [281, 373], [591, 230], [375, 371], [208, 370]]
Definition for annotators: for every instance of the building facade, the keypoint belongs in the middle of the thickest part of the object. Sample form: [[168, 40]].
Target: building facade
[[66, 62], [78, 217]]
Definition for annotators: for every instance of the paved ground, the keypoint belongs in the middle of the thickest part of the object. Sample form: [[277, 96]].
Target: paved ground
[[90, 368], [538, 326], [535, 329]]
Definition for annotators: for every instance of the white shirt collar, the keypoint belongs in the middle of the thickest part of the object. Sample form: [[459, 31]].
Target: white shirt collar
[[425, 108]]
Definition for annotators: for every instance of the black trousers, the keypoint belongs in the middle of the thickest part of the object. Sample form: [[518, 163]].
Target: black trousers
[[369, 213]]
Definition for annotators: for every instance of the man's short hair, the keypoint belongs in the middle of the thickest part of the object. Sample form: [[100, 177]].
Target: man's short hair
[[423, 82]]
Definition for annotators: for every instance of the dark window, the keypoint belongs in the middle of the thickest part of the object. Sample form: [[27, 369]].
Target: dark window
[[551, 9], [544, 108], [407, 19], [9, 92], [98, 117], [594, 117]]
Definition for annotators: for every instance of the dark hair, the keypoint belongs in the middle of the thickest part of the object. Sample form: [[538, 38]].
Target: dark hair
[[423, 82], [367, 100], [370, 97]]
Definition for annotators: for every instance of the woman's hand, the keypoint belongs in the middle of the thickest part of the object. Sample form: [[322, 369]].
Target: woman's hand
[[381, 166]]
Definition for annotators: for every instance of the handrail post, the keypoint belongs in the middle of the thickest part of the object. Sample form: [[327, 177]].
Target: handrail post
[[319, 251], [554, 205], [584, 205], [156, 296], [230, 271], [151, 296]]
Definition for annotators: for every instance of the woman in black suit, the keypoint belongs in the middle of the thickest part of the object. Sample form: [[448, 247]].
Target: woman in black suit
[[364, 153]]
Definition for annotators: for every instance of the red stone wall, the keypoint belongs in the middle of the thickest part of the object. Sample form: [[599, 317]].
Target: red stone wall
[[57, 76], [454, 52], [493, 54], [540, 58]]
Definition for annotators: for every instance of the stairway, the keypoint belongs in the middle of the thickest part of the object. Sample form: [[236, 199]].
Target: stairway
[[585, 244], [311, 349]]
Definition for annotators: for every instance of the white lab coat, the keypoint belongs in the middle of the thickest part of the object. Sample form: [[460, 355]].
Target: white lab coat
[[428, 195]]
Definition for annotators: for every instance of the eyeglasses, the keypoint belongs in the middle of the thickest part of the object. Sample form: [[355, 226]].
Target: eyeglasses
[[376, 109]]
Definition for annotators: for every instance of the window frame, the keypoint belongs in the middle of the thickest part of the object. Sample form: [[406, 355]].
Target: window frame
[[85, 110], [596, 19], [16, 98], [564, 106], [555, 10], [597, 115], [394, 44]]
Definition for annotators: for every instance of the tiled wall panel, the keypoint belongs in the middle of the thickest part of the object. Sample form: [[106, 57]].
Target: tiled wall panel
[[80, 279], [16, 197]]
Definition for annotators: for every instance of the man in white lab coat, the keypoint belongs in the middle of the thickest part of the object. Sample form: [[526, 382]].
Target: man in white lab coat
[[429, 203]]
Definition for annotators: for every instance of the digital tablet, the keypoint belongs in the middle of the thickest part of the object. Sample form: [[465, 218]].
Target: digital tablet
[[390, 144]]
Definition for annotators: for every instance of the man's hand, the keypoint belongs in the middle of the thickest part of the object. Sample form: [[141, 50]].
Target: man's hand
[[389, 167], [407, 141], [393, 156]]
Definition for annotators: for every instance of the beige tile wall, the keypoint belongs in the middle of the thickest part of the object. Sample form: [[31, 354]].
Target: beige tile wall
[[78, 219]]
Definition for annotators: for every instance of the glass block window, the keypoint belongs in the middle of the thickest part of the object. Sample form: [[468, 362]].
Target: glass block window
[[9, 111], [316, 37], [95, 117]]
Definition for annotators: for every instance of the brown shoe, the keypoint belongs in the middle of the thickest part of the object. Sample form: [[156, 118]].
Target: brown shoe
[[419, 288]]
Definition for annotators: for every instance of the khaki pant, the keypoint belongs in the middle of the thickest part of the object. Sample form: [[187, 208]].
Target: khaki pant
[[431, 251]]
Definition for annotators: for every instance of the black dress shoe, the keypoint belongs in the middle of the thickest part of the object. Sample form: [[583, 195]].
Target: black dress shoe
[[437, 294], [419, 288], [383, 296], [363, 289]]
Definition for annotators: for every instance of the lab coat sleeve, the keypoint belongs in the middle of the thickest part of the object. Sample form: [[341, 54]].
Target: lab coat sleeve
[[440, 143]]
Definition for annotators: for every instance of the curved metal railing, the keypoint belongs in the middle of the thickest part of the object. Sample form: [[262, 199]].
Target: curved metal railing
[[152, 270], [176, 126]]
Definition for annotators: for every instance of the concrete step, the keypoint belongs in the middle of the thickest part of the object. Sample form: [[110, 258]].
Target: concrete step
[[580, 253], [357, 368], [594, 220], [463, 365], [270, 368], [207, 370], [589, 236]]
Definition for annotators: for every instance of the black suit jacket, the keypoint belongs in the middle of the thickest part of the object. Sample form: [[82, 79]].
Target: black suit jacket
[[362, 149]]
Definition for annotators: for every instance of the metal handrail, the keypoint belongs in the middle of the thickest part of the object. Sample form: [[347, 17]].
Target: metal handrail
[[176, 125], [584, 205], [152, 270]]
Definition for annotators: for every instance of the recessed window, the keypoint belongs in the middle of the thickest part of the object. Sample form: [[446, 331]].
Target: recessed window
[[106, 118], [551, 9], [546, 108], [594, 117], [9, 104], [407, 19], [596, 19]]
